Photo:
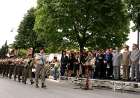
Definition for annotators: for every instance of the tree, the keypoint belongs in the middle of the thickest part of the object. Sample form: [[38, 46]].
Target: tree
[[27, 37], [96, 23], [4, 50], [134, 11]]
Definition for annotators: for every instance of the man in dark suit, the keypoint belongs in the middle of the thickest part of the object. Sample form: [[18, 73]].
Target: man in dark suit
[[64, 63]]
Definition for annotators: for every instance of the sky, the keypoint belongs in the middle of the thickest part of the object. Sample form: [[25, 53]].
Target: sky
[[12, 13]]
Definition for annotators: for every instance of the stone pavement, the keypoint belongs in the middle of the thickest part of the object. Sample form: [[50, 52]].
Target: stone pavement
[[55, 89]]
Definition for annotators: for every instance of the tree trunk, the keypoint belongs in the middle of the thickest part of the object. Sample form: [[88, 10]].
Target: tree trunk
[[33, 52], [81, 50]]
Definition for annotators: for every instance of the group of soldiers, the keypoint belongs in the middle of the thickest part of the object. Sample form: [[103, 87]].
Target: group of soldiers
[[16, 68], [22, 68]]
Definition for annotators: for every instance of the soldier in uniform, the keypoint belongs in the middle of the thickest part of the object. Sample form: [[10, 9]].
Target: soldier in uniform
[[1, 66], [7, 67], [15, 69], [4, 67], [40, 61], [18, 71], [28, 67], [12, 66]]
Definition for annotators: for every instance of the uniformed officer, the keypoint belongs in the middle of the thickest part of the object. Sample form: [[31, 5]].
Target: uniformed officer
[[18, 71], [1, 66], [29, 64], [40, 61], [4, 67], [12, 66]]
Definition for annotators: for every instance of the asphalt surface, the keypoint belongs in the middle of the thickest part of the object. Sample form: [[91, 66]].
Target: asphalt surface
[[56, 89]]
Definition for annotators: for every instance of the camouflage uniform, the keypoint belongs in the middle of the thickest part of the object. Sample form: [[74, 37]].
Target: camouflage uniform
[[11, 69], [27, 72], [1, 69], [40, 69], [18, 70], [5, 68]]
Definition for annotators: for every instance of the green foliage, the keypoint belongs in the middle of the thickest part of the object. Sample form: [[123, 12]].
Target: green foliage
[[134, 11], [26, 37], [22, 53], [83, 23], [4, 50]]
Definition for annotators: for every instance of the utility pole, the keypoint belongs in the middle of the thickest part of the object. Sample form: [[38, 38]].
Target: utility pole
[[138, 28], [138, 38]]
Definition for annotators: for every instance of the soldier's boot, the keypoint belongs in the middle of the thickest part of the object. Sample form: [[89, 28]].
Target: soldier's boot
[[19, 79], [10, 76], [6, 75], [23, 80], [3, 74], [32, 82], [43, 85], [15, 77], [37, 86]]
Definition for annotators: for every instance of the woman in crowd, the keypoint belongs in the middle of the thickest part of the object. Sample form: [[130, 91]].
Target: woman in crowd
[[89, 64], [71, 64], [76, 66], [56, 68], [99, 70]]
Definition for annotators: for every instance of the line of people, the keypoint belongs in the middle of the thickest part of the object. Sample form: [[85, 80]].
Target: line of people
[[109, 64], [22, 68], [97, 64]]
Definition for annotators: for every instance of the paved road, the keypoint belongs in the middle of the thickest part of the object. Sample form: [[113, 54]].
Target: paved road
[[12, 89]]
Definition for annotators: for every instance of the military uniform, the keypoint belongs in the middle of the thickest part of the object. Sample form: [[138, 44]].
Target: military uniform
[[28, 70], [1, 69], [40, 69], [5, 68], [18, 70], [11, 69]]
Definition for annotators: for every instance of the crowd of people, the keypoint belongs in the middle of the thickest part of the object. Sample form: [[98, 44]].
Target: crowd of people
[[103, 64], [99, 64]]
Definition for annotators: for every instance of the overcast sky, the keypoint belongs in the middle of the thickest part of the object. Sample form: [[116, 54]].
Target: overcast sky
[[12, 12]]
